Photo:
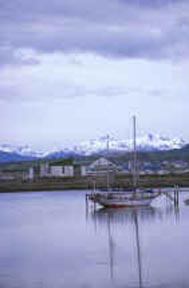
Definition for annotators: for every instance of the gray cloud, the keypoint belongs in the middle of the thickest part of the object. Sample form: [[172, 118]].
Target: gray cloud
[[8, 55], [143, 29], [19, 92]]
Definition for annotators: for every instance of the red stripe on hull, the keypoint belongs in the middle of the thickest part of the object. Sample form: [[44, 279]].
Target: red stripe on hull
[[119, 205]]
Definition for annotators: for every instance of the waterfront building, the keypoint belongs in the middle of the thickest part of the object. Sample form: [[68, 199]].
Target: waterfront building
[[47, 170], [44, 170], [99, 167], [62, 171]]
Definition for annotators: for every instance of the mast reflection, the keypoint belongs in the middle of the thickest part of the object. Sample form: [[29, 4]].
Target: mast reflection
[[128, 216]]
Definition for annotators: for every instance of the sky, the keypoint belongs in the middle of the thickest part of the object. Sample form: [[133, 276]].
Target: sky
[[72, 70]]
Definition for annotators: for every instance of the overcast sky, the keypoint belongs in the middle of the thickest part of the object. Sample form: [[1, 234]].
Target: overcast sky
[[72, 70]]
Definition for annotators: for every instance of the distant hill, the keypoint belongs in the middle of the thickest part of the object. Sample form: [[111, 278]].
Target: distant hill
[[14, 157], [60, 155]]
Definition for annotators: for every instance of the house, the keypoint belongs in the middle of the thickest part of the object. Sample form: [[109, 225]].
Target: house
[[62, 171], [47, 170], [98, 167], [29, 175], [44, 170]]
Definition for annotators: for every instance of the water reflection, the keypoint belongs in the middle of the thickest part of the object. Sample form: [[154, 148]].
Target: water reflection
[[47, 242], [135, 217], [123, 216], [186, 202]]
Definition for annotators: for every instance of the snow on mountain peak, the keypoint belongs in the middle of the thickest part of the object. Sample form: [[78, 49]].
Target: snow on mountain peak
[[25, 150], [147, 142]]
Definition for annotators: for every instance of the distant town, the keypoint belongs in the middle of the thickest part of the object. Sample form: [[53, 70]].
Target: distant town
[[155, 168]]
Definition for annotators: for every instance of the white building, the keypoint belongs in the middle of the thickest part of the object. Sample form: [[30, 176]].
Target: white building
[[62, 171], [31, 173], [84, 171], [98, 167], [101, 163], [28, 175], [56, 170], [44, 170]]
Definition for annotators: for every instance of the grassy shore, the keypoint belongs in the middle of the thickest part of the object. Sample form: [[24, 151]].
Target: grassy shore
[[122, 181]]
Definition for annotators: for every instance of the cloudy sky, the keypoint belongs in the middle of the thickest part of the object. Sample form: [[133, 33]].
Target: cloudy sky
[[72, 70]]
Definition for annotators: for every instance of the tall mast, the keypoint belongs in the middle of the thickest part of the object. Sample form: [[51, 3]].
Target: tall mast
[[108, 172], [134, 154]]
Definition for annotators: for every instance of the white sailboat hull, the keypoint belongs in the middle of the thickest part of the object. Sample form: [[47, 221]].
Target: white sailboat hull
[[114, 200]]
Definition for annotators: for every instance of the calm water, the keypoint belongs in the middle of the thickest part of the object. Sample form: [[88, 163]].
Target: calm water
[[49, 239]]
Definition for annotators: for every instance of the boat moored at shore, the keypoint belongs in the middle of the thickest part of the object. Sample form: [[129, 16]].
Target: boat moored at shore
[[133, 198]]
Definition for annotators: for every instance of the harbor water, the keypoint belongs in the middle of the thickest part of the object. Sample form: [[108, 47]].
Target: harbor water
[[54, 240]]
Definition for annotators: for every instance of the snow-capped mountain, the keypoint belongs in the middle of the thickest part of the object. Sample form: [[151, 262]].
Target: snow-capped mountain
[[157, 142], [147, 142], [25, 150]]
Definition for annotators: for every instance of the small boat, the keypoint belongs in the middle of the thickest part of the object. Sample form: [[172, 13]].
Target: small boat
[[133, 198], [123, 199]]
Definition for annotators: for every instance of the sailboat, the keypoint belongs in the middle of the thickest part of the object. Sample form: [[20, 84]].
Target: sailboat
[[132, 198]]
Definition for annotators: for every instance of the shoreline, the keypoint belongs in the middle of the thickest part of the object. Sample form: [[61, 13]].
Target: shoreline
[[86, 183]]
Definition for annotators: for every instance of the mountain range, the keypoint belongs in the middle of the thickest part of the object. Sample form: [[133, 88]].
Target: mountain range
[[149, 142]]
